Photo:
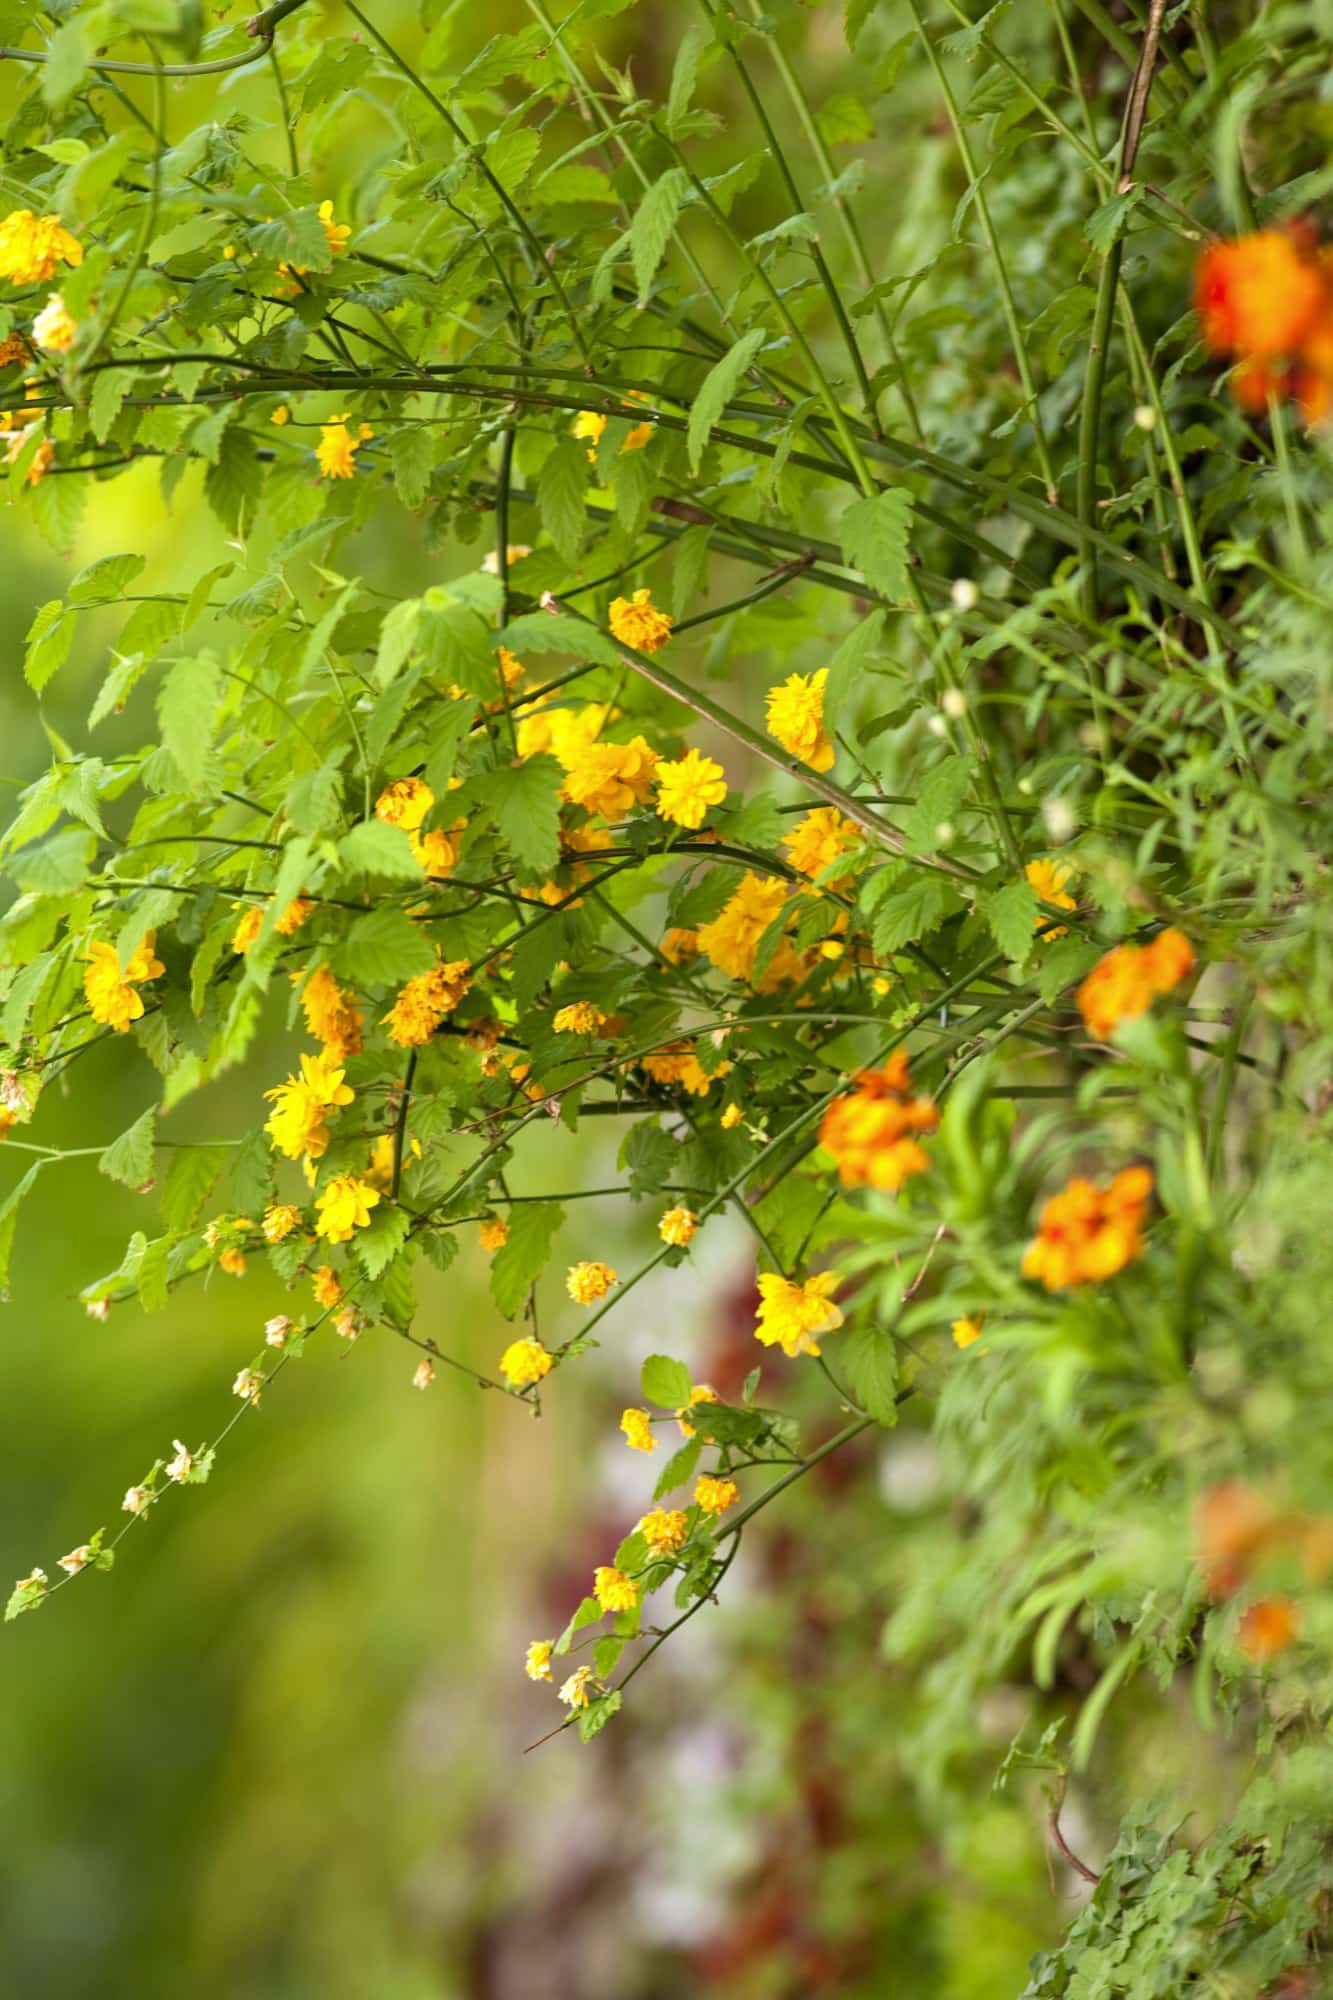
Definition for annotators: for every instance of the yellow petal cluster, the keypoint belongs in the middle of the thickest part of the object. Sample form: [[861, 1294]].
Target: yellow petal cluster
[[525, 1361], [32, 247], [298, 1123], [344, 1206], [792, 1315], [795, 716], [425, 1000], [637, 622], [688, 788], [589, 1281], [110, 992]]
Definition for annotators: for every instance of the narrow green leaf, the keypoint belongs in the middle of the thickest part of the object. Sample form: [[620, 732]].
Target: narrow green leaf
[[719, 386]]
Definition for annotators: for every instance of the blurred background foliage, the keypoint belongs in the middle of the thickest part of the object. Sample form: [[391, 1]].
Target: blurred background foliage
[[279, 1753]]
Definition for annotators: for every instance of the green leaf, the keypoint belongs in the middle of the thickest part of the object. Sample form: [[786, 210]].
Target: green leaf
[[684, 74], [654, 220], [412, 455], [874, 535], [129, 1159], [942, 791], [525, 803], [185, 705], [109, 391], [372, 848], [104, 580], [57, 866], [252, 1174], [912, 913], [1011, 913], [518, 1262], [314, 800], [869, 1358], [678, 1469], [50, 637], [188, 1182], [597, 1714], [848, 664], [665, 1382], [378, 1244], [9, 1215], [562, 489], [151, 1280], [554, 632], [1109, 222], [383, 948], [398, 635], [719, 386]]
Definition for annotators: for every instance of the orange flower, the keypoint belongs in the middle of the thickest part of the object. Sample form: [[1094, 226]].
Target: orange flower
[[1234, 1525], [1087, 1233], [1125, 983], [1268, 1628], [871, 1132], [1258, 296]]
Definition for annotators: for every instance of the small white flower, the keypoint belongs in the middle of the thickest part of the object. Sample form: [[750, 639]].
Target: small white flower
[[937, 725], [954, 703], [1145, 417], [77, 1559], [136, 1499], [182, 1465], [964, 594], [96, 1308], [424, 1374], [347, 1323], [12, 1095], [247, 1385], [277, 1329], [1060, 819]]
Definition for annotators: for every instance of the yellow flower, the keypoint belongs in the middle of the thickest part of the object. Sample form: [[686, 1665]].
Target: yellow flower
[[678, 1227], [614, 1590], [565, 732], [326, 1287], [279, 1222], [293, 917], [525, 1361], [791, 1315], [344, 1207], [965, 1331], [795, 715], [637, 1426], [250, 924], [1087, 1233], [637, 622], [493, 1234], [688, 788], [32, 247], [438, 851], [818, 840], [588, 1282], [282, 415], [731, 1117], [579, 1018], [425, 1000], [405, 803], [576, 1692], [110, 993], [514, 552], [665, 1530], [731, 940], [702, 1392], [714, 1496], [379, 1167], [338, 446], [331, 1014], [609, 778], [537, 1665], [590, 424], [335, 233], [298, 1123], [232, 1261], [678, 945], [1049, 879], [55, 327]]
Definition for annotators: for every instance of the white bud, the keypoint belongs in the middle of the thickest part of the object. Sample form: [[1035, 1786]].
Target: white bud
[[954, 703], [944, 833], [964, 594], [1025, 787], [937, 725], [1060, 819], [1145, 416]]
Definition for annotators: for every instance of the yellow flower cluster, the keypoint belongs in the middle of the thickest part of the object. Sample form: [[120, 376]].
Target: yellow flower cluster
[[32, 247], [112, 994], [688, 789], [279, 1221], [795, 715], [818, 840], [331, 1014], [590, 426], [493, 1234], [614, 1590], [872, 1132], [792, 1315], [579, 1018], [637, 622], [610, 778], [731, 940], [425, 1000], [525, 1361], [1125, 983], [1087, 1233], [588, 1282], [405, 803], [638, 1428], [1050, 880], [55, 328], [714, 1496], [678, 1063], [665, 1530], [677, 1227]]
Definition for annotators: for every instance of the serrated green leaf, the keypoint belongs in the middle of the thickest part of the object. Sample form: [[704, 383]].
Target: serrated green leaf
[[185, 705], [654, 220], [665, 1381], [678, 1469], [378, 1244], [1011, 914], [562, 489], [129, 1159], [372, 848], [383, 948], [942, 791], [869, 1360], [719, 386], [50, 637], [187, 1184], [874, 534], [525, 803], [911, 913], [519, 1261]]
